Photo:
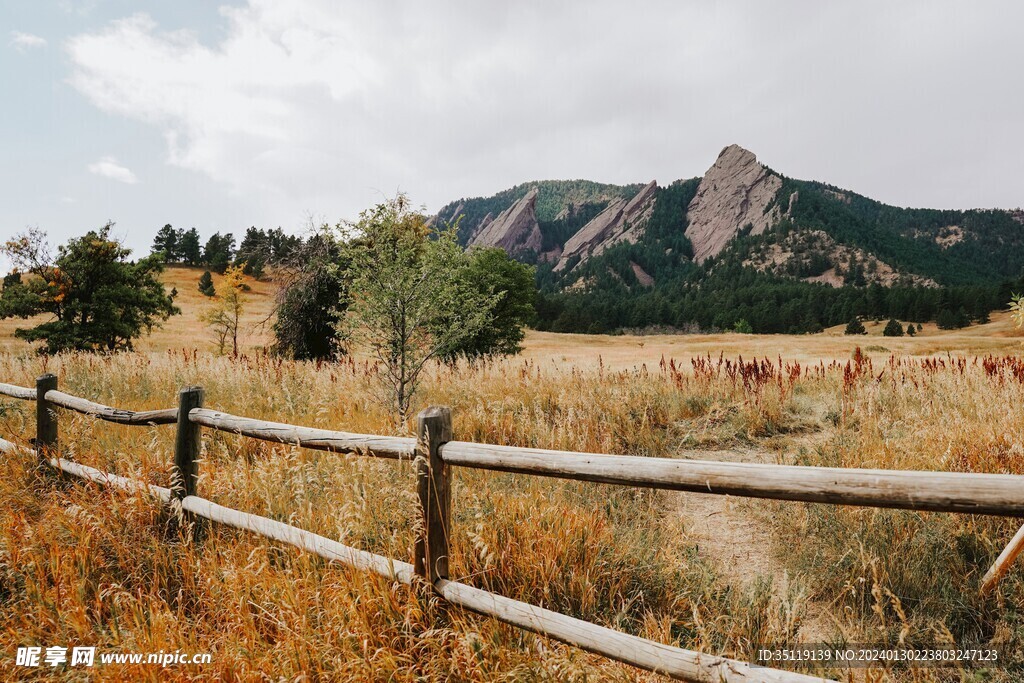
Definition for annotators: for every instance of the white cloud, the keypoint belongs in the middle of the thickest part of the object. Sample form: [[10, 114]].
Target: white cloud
[[108, 167], [316, 105], [26, 41]]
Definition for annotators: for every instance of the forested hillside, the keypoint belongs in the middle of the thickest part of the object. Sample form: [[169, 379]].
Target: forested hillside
[[779, 254]]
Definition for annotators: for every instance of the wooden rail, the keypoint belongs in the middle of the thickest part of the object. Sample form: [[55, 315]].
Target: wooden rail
[[435, 453], [980, 494], [317, 439]]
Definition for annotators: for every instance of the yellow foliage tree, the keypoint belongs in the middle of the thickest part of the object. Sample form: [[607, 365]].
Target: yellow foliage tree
[[224, 315]]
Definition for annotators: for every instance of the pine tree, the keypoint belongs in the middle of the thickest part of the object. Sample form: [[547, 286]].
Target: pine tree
[[189, 248], [893, 328], [219, 251], [166, 243], [911, 331], [206, 284], [855, 326]]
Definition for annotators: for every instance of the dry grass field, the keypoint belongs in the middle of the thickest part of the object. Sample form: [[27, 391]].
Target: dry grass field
[[80, 565]]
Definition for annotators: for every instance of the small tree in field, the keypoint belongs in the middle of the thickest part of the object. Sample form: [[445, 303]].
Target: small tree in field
[[911, 330], [855, 326], [893, 328], [408, 303], [206, 284], [224, 316], [1017, 309]]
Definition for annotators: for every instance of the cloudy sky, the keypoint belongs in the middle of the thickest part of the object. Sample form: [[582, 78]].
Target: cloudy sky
[[225, 115]]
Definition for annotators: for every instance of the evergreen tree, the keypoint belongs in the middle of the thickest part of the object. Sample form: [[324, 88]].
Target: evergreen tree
[[189, 249], [893, 328], [206, 284], [911, 331], [166, 243], [946, 320], [855, 326], [219, 251]]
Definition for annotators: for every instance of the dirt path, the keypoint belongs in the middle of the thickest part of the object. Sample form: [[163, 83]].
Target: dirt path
[[733, 534]]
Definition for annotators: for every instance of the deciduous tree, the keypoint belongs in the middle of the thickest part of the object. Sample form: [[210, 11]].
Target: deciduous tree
[[407, 306], [96, 298], [224, 315]]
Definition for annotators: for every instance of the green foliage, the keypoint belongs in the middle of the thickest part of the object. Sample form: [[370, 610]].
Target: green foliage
[[1017, 309], [97, 298], [206, 284], [907, 239], [178, 246], [219, 252], [166, 243], [893, 328], [188, 247], [947, 319], [224, 314], [911, 330], [409, 304], [260, 248], [492, 274], [855, 326], [312, 301], [741, 326]]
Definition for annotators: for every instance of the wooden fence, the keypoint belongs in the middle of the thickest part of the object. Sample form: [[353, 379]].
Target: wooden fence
[[434, 453]]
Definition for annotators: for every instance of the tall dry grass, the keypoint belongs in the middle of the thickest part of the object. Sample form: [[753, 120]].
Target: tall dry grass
[[83, 566]]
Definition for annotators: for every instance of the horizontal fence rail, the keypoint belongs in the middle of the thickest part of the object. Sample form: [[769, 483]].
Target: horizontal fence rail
[[117, 415], [435, 453], [980, 494], [307, 437], [24, 393]]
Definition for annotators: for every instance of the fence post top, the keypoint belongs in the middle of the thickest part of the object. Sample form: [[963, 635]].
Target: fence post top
[[45, 377], [192, 389], [434, 412]]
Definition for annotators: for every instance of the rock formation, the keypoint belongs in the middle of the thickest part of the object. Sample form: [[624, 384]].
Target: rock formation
[[733, 194], [621, 221], [515, 229]]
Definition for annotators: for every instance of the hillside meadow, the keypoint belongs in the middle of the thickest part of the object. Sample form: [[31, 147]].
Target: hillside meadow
[[80, 565]]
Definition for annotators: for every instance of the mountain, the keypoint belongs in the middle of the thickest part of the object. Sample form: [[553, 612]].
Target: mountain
[[645, 242]]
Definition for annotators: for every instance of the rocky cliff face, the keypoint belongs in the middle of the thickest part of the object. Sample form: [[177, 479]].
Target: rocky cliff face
[[734, 193], [515, 229], [623, 221]]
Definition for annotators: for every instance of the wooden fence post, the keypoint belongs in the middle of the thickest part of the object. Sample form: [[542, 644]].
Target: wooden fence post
[[46, 418], [187, 444], [433, 429]]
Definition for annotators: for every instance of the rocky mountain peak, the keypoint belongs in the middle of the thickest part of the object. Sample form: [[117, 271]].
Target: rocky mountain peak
[[734, 193], [515, 230], [621, 221]]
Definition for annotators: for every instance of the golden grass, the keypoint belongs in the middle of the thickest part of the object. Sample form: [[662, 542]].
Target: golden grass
[[83, 566], [185, 331], [80, 565]]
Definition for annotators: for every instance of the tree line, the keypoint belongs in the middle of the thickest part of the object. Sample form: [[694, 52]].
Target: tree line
[[258, 249]]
